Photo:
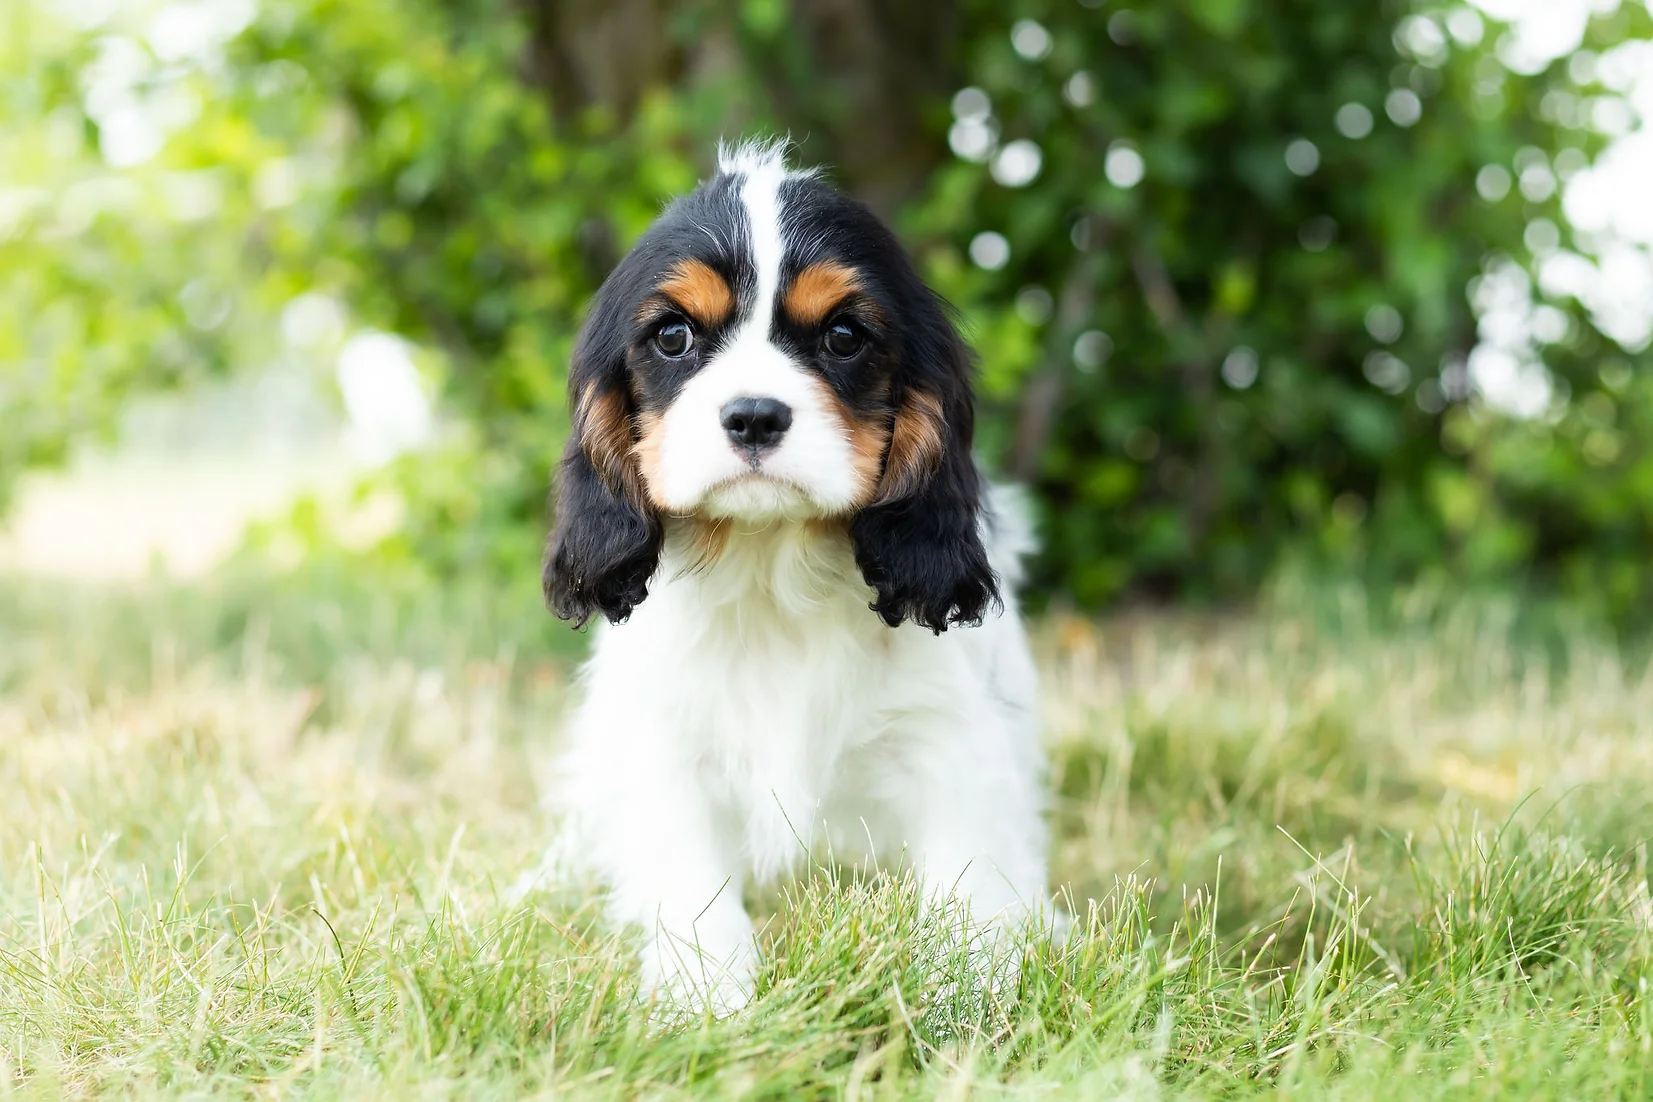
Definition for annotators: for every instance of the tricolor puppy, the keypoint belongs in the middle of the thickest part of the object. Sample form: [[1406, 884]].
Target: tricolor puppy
[[769, 495]]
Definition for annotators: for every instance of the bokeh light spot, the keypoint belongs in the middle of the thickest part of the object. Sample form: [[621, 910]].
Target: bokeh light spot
[[1354, 120], [1302, 157], [1123, 166], [989, 250], [1017, 164]]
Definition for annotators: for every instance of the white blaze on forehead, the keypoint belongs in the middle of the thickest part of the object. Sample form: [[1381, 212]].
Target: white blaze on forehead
[[764, 169]]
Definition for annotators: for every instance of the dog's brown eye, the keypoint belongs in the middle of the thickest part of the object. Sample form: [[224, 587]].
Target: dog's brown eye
[[674, 339], [842, 340]]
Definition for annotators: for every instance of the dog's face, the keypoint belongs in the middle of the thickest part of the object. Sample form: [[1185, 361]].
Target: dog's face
[[767, 353]]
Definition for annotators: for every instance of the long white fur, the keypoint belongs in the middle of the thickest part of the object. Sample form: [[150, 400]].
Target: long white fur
[[754, 708]]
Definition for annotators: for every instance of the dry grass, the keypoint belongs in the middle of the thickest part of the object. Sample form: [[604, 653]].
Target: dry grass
[[251, 856]]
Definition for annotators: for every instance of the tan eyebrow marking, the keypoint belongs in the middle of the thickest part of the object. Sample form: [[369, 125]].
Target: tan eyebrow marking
[[817, 289], [697, 289]]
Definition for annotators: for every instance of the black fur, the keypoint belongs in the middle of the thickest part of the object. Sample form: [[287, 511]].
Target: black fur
[[604, 545], [603, 549], [922, 553]]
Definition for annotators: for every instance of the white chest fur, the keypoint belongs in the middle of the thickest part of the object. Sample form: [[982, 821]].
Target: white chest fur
[[753, 707]]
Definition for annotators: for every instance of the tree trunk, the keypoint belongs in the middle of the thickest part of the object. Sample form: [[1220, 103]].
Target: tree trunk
[[855, 98]]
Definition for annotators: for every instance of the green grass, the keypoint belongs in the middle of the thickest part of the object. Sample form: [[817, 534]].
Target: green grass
[[259, 846]]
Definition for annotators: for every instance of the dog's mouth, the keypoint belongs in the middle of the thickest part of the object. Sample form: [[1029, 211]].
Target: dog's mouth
[[755, 494], [754, 474]]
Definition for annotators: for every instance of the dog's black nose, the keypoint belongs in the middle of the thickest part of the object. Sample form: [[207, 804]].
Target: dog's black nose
[[756, 422]]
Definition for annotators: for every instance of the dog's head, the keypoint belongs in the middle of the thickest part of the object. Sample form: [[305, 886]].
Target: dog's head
[[766, 352]]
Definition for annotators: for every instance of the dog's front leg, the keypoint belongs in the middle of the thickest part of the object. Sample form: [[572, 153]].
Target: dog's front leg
[[969, 814], [647, 829], [971, 811], [685, 892]]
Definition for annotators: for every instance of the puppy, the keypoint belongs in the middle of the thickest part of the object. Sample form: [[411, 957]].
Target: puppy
[[812, 637]]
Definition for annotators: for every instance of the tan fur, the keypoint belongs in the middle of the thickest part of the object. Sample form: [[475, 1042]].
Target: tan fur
[[696, 289], [707, 539], [867, 440], [917, 443], [605, 434], [707, 536], [817, 290], [651, 437]]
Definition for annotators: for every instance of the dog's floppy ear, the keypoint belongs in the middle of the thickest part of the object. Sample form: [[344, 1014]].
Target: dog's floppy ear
[[918, 544], [605, 543]]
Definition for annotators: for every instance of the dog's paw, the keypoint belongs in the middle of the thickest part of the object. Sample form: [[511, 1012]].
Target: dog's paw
[[688, 979]]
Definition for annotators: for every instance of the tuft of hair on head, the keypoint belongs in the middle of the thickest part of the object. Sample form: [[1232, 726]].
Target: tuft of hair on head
[[753, 155], [759, 156]]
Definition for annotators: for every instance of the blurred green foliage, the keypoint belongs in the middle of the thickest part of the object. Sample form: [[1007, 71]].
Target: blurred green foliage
[[109, 282], [1337, 432], [1230, 328]]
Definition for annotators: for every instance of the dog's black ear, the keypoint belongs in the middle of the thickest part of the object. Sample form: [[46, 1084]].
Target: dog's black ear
[[605, 543], [919, 543]]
